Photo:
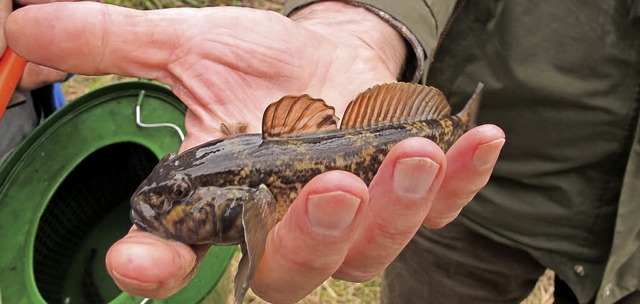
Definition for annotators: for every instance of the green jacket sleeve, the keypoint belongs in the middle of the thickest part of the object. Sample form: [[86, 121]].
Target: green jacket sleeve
[[421, 22]]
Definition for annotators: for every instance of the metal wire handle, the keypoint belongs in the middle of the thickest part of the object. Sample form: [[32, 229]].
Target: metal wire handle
[[154, 125]]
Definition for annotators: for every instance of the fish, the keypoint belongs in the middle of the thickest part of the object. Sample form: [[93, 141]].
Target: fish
[[233, 190]]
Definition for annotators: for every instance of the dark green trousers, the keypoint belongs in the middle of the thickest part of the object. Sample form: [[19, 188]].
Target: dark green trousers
[[457, 265]]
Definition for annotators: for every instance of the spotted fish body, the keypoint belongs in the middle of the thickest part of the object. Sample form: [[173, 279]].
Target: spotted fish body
[[285, 165], [233, 190]]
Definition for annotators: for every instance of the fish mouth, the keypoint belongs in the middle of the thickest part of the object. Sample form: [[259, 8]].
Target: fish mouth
[[149, 225], [137, 220], [144, 217], [146, 225]]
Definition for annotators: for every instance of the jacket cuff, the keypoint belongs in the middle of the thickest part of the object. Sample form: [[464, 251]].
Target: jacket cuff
[[419, 22]]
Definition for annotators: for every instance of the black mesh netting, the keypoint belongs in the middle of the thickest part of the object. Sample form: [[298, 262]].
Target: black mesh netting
[[100, 184]]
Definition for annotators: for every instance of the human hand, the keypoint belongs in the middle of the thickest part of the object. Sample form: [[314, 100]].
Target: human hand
[[227, 65], [33, 76]]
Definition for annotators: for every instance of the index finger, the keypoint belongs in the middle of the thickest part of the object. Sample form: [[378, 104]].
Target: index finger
[[95, 38]]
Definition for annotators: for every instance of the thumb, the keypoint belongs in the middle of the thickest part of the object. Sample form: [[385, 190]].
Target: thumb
[[90, 38], [133, 262]]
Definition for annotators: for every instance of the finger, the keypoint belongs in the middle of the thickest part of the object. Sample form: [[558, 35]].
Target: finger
[[470, 163], [133, 264], [31, 2], [5, 9], [100, 46], [35, 76], [400, 198], [311, 241]]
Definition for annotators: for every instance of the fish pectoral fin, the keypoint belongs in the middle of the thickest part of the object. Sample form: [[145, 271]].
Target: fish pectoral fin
[[234, 129], [296, 115], [258, 217], [242, 280], [397, 102]]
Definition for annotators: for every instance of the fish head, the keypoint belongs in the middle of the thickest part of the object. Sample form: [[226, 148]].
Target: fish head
[[170, 204]]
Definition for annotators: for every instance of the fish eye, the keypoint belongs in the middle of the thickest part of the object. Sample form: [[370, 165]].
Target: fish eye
[[177, 193], [179, 189]]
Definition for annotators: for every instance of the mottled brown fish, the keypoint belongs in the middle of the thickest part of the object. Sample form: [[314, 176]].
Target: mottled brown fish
[[234, 190]]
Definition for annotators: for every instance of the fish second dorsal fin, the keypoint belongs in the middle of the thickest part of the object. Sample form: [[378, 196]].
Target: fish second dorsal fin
[[295, 115], [398, 102]]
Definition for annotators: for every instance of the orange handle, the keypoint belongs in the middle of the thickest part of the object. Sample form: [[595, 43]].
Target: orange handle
[[11, 67]]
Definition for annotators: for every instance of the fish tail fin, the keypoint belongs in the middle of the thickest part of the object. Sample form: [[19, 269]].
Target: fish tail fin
[[469, 113]]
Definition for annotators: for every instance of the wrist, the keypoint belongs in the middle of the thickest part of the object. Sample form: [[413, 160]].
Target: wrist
[[344, 22]]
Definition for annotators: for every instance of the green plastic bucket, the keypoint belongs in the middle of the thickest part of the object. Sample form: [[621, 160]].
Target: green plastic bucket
[[64, 197]]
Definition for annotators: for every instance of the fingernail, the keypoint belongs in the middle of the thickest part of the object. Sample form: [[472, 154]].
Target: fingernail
[[135, 284], [413, 176], [488, 153], [331, 213]]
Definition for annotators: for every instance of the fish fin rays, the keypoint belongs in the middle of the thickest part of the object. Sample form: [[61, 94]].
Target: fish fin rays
[[397, 102], [242, 280], [258, 217], [234, 129], [165, 159], [296, 115], [389, 103], [470, 111]]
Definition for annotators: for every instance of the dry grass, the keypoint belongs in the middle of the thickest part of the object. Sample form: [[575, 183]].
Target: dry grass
[[334, 291], [331, 291], [79, 85], [543, 292]]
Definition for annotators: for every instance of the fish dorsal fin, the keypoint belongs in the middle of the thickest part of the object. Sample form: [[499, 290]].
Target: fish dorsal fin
[[397, 102], [295, 115], [470, 111]]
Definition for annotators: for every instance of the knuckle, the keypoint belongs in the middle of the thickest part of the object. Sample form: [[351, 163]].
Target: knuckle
[[461, 196], [325, 263], [301, 254], [352, 275], [395, 234], [474, 185], [464, 199], [319, 266], [437, 221]]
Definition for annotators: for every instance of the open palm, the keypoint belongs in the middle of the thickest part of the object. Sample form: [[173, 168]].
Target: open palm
[[227, 65]]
